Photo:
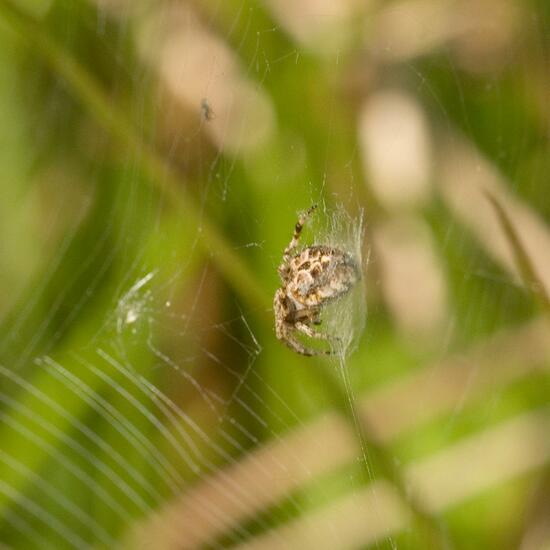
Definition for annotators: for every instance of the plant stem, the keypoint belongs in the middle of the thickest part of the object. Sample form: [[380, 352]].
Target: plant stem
[[527, 271]]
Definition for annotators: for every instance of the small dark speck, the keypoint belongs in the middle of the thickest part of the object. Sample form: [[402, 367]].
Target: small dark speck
[[207, 112]]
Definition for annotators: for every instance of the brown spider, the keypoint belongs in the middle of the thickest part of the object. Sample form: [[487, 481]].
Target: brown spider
[[311, 279]]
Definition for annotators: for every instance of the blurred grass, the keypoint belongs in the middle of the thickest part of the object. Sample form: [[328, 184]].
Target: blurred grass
[[528, 273], [146, 215]]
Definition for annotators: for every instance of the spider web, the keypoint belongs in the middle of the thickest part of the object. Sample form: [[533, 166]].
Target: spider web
[[144, 400]]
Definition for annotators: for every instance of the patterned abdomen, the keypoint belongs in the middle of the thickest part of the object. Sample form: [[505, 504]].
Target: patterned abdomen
[[321, 274]]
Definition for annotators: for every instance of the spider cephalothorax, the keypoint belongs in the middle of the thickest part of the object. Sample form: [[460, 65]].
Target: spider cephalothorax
[[311, 279]]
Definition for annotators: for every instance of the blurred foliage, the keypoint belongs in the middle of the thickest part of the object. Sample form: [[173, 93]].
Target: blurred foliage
[[120, 259]]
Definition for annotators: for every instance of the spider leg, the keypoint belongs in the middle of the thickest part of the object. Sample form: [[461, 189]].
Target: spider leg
[[287, 336], [312, 315], [312, 333], [298, 347], [297, 231]]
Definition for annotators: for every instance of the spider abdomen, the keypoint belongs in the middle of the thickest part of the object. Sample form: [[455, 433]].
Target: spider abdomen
[[321, 274]]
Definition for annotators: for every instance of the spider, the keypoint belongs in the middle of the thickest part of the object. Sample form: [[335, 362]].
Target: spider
[[311, 279]]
